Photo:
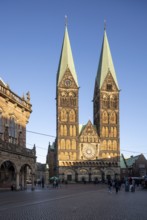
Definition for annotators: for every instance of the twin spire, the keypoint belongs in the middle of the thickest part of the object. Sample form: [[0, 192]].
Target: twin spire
[[105, 61], [66, 59]]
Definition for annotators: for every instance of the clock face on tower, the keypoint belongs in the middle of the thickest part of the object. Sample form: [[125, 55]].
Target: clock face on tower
[[68, 82], [89, 151]]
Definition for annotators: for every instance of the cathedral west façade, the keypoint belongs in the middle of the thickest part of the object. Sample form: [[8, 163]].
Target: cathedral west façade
[[89, 152]]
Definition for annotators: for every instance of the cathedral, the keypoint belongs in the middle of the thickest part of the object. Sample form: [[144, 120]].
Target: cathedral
[[90, 152]]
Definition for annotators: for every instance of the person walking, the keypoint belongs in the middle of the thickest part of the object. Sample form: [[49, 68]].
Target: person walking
[[116, 186], [110, 186], [126, 186], [133, 186]]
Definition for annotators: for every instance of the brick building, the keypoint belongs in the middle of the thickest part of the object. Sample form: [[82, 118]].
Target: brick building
[[134, 166]]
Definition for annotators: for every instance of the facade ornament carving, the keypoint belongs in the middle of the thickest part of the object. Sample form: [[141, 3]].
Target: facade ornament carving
[[28, 96]]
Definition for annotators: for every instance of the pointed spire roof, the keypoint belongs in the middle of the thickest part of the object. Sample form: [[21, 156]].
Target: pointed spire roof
[[105, 63], [66, 59]]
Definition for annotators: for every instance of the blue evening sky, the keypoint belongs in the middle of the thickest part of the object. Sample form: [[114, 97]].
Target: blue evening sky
[[31, 34]]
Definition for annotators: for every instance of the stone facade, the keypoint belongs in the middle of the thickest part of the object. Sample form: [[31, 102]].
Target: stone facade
[[106, 118], [14, 156], [67, 118]]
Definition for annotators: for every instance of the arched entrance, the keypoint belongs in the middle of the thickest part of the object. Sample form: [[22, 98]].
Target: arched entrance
[[26, 176], [15, 177], [109, 173], [83, 175], [69, 175], [7, 174], [96, 175]]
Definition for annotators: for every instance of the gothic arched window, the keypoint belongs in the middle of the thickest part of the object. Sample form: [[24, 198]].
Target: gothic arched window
[[115, 132], [71, 94], [105, 117], [74, 130], [73, 144], [112, 118], [67, 144], [70, 130], [103, 132], [104, 145], [63, 115], [62, 144], [114, 145], [109, 145], [72, 116], [106, 131], [105, 101], [113, 101], [65, 130], [12, 128], [61, 130], [111, 132]]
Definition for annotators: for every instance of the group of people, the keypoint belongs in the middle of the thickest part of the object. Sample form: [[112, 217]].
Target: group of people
[[129, 185]]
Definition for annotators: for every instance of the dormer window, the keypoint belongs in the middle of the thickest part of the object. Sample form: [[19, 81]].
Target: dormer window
[[109, 87]]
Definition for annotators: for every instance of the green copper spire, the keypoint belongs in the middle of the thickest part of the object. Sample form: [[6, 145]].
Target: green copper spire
[[105, 63], [66, 59]]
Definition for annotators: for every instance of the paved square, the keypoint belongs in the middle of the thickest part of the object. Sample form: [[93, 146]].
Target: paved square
[[73, 202]]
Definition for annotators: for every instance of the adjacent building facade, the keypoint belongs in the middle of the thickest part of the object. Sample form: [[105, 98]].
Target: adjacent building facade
[[134, 166], [14, 156], [92, 151]]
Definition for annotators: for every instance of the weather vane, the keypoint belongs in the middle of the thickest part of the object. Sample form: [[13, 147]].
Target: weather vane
[[65, 20]]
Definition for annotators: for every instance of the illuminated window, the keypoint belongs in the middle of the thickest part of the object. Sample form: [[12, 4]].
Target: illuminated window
[[65, 130], [67, 144], [62, 144], [73, 144], [72, 116]]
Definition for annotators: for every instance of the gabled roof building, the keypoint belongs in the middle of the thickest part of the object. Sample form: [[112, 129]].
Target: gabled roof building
[[134, 166]]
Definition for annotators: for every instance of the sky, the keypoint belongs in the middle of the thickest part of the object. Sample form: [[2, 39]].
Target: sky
[[31, 35]]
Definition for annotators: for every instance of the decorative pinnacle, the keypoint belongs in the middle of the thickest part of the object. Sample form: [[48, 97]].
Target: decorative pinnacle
[[105, 24], [66, 20]]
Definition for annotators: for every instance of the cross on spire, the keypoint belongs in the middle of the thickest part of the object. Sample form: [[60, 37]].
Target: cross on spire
[[66, 20], [105, 24]]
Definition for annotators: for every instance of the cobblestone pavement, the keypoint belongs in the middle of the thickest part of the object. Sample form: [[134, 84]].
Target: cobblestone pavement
[[73, 202]]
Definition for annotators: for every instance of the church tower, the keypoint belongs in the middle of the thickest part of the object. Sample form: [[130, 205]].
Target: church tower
[[106, 105], [67, 95]]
